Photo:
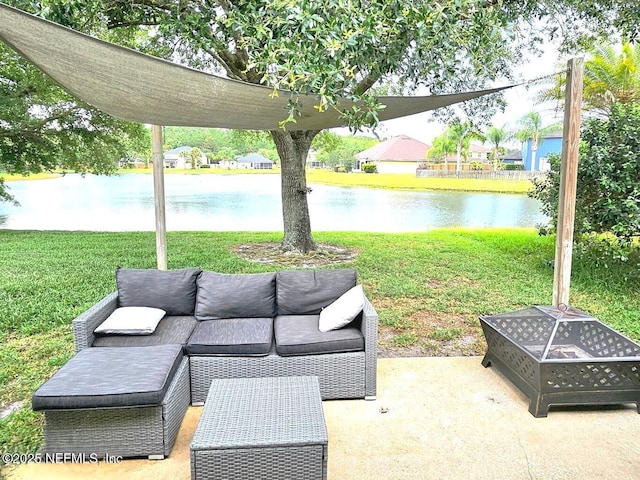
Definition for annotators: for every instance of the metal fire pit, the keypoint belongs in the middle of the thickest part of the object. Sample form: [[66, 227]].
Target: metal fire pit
[[563, 356]]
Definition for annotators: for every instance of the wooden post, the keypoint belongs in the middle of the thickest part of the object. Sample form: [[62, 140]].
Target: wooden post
[[568, 182], [158, 195]]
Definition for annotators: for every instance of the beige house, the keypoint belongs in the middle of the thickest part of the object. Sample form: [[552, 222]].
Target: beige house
[[475, 153], [401, 154], [478, 153]]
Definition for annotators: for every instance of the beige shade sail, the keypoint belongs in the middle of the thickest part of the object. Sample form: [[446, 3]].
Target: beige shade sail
[[133, 86]]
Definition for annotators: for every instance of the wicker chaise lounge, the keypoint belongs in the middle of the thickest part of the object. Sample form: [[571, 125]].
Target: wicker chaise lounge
[[102, 402]]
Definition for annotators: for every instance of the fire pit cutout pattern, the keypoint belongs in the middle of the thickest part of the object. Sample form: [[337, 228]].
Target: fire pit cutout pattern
[[562, 356]]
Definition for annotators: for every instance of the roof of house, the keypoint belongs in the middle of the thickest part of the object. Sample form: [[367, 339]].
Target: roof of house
[[253, 158], [400, 148], [554, 134], [178, 150], [478, 148], [515, 155]]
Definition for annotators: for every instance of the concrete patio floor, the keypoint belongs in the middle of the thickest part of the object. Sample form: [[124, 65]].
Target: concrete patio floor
[[435, 418]]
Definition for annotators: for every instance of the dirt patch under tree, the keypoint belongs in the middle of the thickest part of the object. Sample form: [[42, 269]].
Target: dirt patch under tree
[[425, 335]]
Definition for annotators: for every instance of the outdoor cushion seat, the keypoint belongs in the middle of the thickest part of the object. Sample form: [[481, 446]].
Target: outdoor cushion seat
[[171, 329], [299, 335], [107, 377], [307, 292], [232, 336], [174, 291], [243, 295]]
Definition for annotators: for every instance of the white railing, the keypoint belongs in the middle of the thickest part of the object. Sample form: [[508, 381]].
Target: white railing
[[480, 174]]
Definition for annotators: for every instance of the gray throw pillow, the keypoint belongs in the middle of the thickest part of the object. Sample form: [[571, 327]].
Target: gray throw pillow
[[307, 292], [248, 295], [174, 291]]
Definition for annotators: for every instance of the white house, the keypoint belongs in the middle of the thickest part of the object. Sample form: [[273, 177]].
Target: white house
[[250, 161], [255, 161], [175, 158]]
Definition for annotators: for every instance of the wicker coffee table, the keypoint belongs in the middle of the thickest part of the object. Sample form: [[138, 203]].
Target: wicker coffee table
[[261, 428]]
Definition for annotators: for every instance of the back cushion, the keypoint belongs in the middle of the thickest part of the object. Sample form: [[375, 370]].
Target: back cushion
[[248, 295], [174, 291], [307, 292]]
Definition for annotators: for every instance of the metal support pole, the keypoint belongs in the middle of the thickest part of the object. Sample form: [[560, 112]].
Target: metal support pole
[[158, 194], [568, 182]]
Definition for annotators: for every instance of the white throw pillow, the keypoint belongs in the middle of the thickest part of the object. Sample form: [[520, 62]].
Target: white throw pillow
[[343, 310], [131, 321]]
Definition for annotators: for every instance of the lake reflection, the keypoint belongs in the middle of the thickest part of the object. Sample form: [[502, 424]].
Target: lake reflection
[[248, 203]]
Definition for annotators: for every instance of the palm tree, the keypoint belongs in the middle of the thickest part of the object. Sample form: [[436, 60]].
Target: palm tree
[[443, 146], [532, 129], [461, 133], [496, 136], [611, 75], [195, 155]]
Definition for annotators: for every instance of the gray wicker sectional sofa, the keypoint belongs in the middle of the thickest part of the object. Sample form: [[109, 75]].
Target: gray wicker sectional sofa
[[216, 326]]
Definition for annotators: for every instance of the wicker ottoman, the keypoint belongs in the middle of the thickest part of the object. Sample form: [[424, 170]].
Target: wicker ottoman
[[262, 429], [117, 401]]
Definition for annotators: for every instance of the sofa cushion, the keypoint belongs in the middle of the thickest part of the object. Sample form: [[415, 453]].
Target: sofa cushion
[[131, 321], [343, 311], [171, 290], [299, 335], [111, 377], [246, 295], [232, 336], [171, 329], [307, 292]]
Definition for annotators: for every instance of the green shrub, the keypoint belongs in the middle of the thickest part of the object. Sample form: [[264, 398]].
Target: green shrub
[[513, 166], [369, 168], [608, 191], [605, 253]]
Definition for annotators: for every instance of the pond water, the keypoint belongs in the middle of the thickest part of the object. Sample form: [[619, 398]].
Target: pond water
[[248, 203]]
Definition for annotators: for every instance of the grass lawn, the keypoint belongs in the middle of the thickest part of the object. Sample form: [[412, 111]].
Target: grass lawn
[[32, 176], [394, 181], [428, 288], [407, 181]]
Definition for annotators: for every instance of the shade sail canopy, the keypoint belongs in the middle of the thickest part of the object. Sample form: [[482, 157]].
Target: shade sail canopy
[[133, 86]]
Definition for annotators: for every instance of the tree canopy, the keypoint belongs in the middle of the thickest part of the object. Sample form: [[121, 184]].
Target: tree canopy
[[611, 75], [341, 48], [44, 128]]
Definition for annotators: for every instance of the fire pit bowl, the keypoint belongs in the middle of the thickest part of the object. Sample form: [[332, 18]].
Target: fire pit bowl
[[562, 356]]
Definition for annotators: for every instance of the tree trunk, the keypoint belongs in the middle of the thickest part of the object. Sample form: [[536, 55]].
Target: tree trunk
[[293, 148], [459, 158], [534, 151]]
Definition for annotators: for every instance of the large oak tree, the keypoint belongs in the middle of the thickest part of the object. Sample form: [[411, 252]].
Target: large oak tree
[[344, 48]]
